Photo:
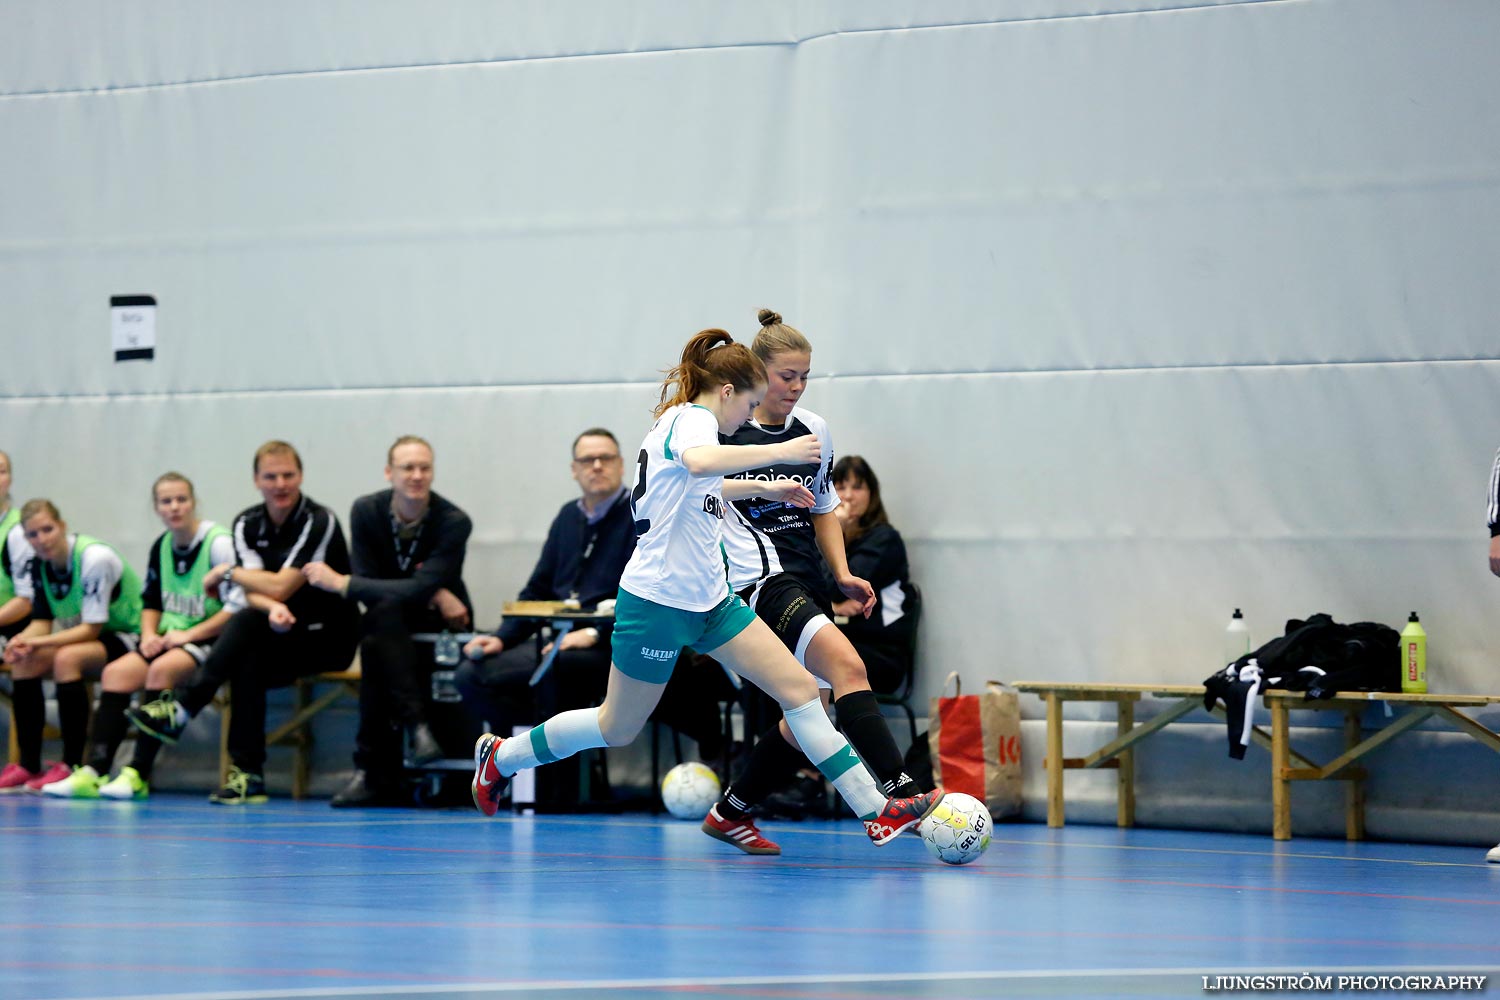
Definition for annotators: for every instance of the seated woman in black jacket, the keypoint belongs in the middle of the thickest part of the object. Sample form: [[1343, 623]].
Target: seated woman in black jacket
[[876, 553]]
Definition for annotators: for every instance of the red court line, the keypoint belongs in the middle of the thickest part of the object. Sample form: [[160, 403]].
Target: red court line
[[741, 861], [200, 970], [808, 930], [1255, 888]]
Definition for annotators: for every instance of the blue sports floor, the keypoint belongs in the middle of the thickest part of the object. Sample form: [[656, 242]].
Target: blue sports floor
[[176, 898]]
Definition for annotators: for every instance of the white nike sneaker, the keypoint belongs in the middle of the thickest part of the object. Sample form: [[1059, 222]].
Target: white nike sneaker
[[83, 783]]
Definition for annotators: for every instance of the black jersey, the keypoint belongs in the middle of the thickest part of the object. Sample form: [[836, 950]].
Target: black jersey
[[310, 534], [770, 536]]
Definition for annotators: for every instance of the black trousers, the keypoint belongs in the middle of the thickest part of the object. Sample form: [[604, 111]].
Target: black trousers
[[497, 691], [253, 659], [397, 673]]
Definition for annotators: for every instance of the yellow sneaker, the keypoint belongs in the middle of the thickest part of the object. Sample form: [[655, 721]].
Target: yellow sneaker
[[242, 788], [83, 783], [127, 786]]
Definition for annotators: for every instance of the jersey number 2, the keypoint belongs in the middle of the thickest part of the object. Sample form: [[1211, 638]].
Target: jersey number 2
[[642, 524]]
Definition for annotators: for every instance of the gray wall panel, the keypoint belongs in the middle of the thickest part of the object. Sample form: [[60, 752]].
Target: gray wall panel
[[1142, 314]]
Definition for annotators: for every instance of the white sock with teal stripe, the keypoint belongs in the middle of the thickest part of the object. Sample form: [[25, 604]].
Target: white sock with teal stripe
[[835, 758], [561, 736]]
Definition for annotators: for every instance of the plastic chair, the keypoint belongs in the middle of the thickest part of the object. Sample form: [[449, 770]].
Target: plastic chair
[[901, 697]]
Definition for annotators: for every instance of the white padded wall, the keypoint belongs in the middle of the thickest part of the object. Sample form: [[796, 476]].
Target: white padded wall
[[1143, 311]]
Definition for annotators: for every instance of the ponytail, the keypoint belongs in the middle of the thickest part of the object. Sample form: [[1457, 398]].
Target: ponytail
[[711, 359]]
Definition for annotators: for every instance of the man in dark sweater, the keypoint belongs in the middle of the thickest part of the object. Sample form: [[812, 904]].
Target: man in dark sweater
[[288, 631], [587, 547], [407, 553]]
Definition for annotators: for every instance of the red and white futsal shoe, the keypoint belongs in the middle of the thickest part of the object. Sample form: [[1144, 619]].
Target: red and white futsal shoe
[[488, 785], [900, 815], [739, 832]]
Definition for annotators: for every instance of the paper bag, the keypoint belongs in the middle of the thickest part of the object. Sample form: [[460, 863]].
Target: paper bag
[[975, 741]]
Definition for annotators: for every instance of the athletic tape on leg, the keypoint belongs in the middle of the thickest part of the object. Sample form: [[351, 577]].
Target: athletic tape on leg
[[835, 758]]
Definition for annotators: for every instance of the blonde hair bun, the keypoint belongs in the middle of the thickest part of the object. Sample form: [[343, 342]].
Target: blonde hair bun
[[769, 317]]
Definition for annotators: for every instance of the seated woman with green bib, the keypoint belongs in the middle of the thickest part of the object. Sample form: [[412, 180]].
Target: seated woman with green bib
[[86, 611], [180, 619]]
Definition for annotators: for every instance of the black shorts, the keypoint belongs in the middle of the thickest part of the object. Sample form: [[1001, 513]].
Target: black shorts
[[197, 650], [117, 644], [792, 610]]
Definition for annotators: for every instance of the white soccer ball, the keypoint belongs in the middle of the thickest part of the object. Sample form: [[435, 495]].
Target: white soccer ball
[[958, 830], [690, 790]]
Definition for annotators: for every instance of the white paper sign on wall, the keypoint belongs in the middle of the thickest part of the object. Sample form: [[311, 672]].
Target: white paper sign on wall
[[132, 327]]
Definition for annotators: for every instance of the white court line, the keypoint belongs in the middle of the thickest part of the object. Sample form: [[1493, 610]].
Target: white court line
[[1191, 975]]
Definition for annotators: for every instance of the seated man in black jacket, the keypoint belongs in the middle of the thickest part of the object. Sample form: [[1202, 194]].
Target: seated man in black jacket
[[587, 547], [407, 554], [289, 630]]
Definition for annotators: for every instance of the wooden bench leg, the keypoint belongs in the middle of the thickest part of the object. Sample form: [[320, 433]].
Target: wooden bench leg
[[1281, 797], [1125, 776], [1354, 785], [224, 713], [1055, 764], [302, 742]]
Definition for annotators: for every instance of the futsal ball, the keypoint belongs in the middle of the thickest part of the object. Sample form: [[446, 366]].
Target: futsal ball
[[689, 790], [958, 830]]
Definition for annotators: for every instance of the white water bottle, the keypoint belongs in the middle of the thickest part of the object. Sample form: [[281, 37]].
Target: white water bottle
[[1236, 637]]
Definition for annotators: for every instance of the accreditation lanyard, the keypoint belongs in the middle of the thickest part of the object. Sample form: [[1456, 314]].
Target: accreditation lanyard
[[404, 559]]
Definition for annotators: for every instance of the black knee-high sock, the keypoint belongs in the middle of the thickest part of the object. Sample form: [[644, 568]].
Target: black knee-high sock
[[860, 719], [146, 749], [772, 764], [73, 720], [30, 709], [109, 729]]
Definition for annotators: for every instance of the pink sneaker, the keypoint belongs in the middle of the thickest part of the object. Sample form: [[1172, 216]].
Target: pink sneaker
[[57, 771], [13, 779], [900, 815]]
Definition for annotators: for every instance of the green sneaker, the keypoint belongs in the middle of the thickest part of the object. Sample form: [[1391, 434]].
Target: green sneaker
[[162, 719], [83, 783], [127, 786], [241, 789]]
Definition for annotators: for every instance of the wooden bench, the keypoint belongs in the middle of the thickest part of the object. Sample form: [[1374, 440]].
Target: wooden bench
[[296, 732], [1353, 704], [1119, 754]]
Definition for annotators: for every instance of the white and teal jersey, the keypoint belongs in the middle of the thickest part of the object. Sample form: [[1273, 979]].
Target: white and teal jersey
[[766, 537], [679, 559]]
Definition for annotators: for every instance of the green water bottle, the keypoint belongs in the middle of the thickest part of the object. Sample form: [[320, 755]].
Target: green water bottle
[[1413, 657]]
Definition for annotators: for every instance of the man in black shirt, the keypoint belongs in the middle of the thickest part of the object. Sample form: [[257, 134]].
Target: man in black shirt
[[408, 548], [587, 547], [288, 631]]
